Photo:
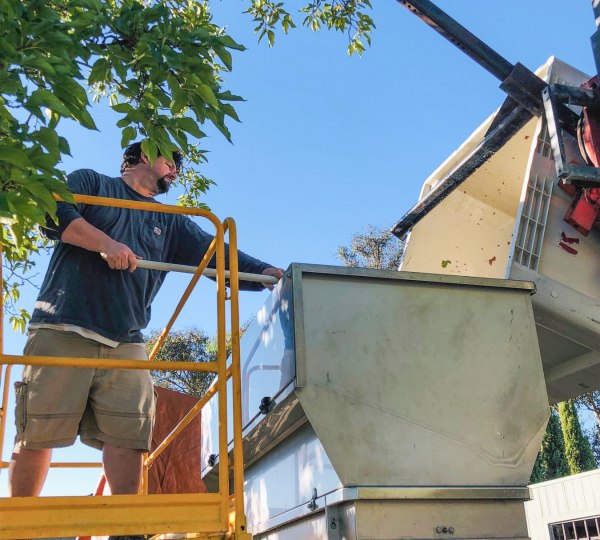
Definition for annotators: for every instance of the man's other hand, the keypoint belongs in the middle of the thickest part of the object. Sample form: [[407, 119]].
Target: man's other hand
[[274, 272], [119, 257]]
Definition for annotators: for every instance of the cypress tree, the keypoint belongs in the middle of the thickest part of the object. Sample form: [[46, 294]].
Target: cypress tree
[[593, 436], [538, 474], [577, 448], [551, 462]]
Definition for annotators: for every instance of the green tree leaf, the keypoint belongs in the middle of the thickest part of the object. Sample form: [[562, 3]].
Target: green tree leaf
[[14, 155], [45, 98], [100, 71], [206, 93], [129, 134]]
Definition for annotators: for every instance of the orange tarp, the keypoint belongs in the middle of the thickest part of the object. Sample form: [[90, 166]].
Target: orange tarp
[[177, 469]]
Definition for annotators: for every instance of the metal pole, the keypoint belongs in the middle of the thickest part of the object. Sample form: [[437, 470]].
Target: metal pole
[[168, 267]]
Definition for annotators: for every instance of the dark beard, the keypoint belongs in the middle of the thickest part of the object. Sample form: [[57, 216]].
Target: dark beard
[[162, 185]]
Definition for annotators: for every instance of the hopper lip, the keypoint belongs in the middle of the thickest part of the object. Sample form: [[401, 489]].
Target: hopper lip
[[422, 277]]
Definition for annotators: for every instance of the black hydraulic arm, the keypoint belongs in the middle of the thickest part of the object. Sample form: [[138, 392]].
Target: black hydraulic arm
[[524, 90], [454, 32]]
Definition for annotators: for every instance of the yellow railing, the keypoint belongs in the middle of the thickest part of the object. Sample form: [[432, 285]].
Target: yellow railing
[[204, 515]]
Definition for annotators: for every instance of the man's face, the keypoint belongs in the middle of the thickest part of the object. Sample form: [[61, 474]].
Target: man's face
[[166, 172]]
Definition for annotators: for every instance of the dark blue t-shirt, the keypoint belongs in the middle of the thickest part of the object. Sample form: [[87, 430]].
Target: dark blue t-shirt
[[81, 289]]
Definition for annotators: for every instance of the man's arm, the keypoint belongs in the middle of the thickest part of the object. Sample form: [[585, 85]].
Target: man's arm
[[193, 243], [84, 235]]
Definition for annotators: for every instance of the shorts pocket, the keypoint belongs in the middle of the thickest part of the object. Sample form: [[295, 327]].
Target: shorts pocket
[[21, 389]]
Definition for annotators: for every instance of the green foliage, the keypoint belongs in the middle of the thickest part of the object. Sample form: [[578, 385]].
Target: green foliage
[[551, 461], [189, 345], [593, 437], [376, 248], [538, 473], [348, 16], [159, 64], [17, 270], [577, 448], [183, 346]]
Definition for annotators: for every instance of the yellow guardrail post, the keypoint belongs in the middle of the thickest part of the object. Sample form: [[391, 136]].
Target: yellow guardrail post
[[238, 450], [222, 377]]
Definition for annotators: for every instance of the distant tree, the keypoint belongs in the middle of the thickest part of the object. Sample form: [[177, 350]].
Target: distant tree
[[538, 474], [591, 402], [192, 344], [593, 436], [187, 345], [577, 448], [551, 461], [376, 248]]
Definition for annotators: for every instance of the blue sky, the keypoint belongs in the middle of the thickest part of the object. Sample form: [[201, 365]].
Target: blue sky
[[329, 143]]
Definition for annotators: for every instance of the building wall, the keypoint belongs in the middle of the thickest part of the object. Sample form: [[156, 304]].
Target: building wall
[[570, 498]]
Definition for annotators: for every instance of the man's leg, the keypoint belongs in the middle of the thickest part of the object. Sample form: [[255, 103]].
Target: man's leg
[[50, 401], [122, 406], [27, 471], [122, 468]]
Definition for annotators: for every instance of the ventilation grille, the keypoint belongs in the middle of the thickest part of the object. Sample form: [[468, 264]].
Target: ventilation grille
[[543, 147], [533, 222]]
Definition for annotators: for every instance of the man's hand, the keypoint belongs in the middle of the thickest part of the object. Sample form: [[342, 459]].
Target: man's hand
[[275, 272], [119, 257]]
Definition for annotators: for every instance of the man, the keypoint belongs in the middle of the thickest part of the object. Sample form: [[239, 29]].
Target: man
[[93, 303]]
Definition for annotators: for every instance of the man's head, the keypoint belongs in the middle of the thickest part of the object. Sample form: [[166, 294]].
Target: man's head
[[165, 168]]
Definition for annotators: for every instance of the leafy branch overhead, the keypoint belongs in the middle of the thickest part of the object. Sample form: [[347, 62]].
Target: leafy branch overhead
[[159, 64], [347, 16]]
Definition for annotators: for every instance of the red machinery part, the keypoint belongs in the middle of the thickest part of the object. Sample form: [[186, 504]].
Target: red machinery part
[[588, 132], [584, 211]]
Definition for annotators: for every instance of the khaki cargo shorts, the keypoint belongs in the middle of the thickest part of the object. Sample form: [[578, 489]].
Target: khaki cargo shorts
[[55, 404]]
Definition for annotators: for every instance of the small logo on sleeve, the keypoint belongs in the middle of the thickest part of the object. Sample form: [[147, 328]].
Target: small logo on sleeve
[[157, 231]]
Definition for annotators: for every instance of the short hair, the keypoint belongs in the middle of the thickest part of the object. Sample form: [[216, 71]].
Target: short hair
[[133, 155]]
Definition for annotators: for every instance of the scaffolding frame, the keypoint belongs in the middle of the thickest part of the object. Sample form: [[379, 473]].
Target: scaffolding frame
[[196, 515]]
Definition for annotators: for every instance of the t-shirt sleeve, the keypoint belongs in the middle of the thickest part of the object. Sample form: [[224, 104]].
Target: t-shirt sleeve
[[192, 245], [81, 182]]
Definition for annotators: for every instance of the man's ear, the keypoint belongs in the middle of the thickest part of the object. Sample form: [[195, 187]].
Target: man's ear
[[144, 158]]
